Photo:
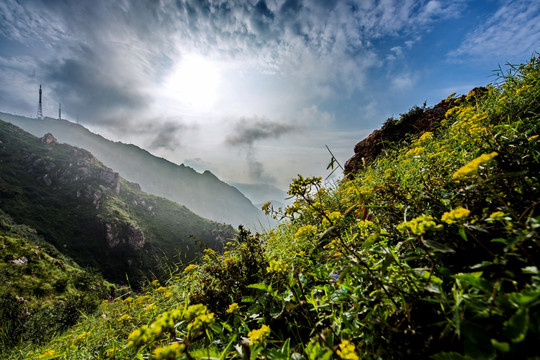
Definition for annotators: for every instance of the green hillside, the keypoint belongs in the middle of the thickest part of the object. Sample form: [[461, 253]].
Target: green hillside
[[431, 251], [91, 214], [41, 291]]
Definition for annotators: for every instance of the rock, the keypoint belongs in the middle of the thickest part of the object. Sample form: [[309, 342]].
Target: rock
[[48, 138], [416, 121], [123, 233]]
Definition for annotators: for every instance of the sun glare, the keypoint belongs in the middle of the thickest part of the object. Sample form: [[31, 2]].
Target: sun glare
[[194, 83]]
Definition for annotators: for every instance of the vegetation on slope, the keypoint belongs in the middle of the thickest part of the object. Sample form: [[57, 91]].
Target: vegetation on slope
[[431, 251], [94, 216], [41, 291]]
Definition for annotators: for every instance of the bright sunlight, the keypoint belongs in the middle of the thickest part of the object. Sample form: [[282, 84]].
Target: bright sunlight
[[194, 83]]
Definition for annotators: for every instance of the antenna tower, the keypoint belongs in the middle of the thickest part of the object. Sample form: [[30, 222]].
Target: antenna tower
[[40, 105], [59, 111]]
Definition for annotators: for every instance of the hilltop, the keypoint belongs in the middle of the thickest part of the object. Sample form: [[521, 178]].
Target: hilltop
[[430, 250], [203, 193]]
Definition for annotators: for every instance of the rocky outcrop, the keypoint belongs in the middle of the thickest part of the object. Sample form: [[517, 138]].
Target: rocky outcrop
[[119, 233], [48, 138], [416, 121]]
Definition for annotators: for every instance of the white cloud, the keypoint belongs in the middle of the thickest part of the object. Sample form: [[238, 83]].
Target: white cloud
[[511, 31]]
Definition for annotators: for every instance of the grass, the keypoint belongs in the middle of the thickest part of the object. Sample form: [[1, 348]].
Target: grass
[[431, 251]]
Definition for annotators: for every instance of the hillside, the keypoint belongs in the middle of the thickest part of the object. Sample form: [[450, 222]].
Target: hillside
[[203, 194], [42, 292], [429, 251], [91, 214]]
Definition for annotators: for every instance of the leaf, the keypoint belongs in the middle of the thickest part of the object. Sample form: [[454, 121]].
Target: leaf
[[438, 246], [501, 346], [463, 233], [516, 327], [261, 286]]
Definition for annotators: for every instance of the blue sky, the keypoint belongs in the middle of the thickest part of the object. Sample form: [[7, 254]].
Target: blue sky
[[252, 90]]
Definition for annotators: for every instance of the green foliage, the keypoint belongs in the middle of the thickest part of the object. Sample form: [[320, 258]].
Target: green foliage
[[432, 251], [41, 291]]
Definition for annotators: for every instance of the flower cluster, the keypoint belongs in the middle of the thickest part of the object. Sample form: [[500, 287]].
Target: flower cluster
[[199, 316], [305, 232], [232, 308], [455, 216], [259, 336], [277, 266], [169, 352], [347, 351], [419, 225], [472, 166]]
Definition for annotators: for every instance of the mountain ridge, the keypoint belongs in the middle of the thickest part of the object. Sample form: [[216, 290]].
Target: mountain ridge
[[205, 195]]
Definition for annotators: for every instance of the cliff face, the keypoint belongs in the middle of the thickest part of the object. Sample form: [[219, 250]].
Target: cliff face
[[416, 121]]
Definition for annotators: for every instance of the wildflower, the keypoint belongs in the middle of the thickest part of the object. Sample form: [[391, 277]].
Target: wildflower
[[419, 150], [305, 232], [347, 351], [171, 351], [79, 337], [472, 166], [333, 218], [199, 316], [232, 308], [419, 225], [259, 335], [111, 353], [496, 216], [523, 88], [455, 216], [47, 353], [534, 137], [128, 300], [190, 268], [425, 136], [155, 282], [125, 317], [277, 266]]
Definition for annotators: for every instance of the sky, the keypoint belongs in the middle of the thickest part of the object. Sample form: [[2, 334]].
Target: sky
[[252, 90]]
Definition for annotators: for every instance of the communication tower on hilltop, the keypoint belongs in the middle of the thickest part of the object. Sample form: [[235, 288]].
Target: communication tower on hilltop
[[40, 105], [59, 111]]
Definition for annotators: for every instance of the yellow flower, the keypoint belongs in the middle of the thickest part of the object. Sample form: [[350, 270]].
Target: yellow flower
[[232, 308], [419, 225], [277, 266], [305, 232], [425, 136], [259, 335], [169, 352], [190, 268], [497, 215], [47, 353], [79, 337], [347, 351], [472, 166], [125, 317], [455, 216], [419, 150], [534, 137]]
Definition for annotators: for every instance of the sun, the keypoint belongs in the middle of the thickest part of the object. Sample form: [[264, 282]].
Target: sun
[[194, 83]]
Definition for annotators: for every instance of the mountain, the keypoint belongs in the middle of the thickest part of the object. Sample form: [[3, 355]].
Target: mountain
[[260, 194], [203, 194], [93, 215]]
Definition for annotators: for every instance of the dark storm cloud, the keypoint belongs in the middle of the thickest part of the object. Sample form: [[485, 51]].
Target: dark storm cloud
[[247, 131], [168, 136]]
